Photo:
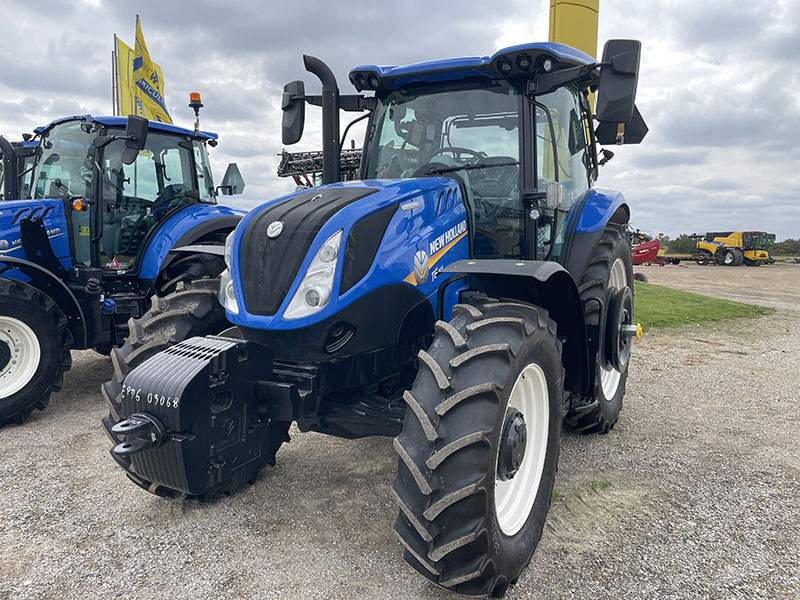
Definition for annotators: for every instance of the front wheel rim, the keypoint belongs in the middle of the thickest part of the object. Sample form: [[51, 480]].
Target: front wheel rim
[[514, 498], [609, 376], [25, 355]]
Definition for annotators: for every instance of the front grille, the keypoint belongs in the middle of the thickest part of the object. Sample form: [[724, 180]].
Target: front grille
[[268, 266]]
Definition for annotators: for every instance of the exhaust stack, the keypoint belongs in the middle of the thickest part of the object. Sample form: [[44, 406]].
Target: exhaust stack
[[331, 162]]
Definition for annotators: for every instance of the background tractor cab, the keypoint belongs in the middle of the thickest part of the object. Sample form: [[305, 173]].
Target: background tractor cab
[[25, 153], [99, 214]]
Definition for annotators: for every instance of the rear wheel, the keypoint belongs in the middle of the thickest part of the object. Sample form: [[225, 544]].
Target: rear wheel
[[34, 350], [739, 256], [608, 273], [479, 447]]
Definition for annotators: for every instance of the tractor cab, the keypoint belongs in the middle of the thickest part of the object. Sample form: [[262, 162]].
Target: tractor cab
[[118, 184], [23, 155], [516, 130]]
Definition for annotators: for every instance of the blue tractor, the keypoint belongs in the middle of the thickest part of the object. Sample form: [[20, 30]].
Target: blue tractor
[[103, 220], [469, 294]]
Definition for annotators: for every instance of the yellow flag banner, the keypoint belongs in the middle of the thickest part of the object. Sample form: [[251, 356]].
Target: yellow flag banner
[[148, 82], [127, 103]]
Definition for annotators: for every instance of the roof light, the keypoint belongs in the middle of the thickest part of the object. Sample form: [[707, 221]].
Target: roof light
[[194, 100], [524, 61], [547, 65], [504, 66], [358, 81], [372, 81]]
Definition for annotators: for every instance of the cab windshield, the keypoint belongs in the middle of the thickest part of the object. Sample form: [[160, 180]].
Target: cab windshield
[[469, 132], [135, 198]]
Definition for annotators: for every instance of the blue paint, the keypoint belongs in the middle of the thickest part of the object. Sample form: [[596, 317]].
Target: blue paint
[[458, 68], [55, 223], [598, 207], [407, 233], [175, 227], [123, 121]]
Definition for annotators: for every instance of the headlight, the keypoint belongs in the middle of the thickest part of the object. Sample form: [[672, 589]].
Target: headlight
[[226, 295], [315, 289], [228, 246]]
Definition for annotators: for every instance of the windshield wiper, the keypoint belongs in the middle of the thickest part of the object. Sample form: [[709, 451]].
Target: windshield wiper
[[471, 167]]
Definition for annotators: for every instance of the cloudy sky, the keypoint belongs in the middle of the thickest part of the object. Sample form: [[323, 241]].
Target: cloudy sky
[[719, 84]]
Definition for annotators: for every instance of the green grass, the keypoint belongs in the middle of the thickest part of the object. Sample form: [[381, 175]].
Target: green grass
[[601, 486], [659, 306], [557, 495]]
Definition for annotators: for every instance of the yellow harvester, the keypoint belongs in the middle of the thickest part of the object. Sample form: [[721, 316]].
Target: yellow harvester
[[733, 248]]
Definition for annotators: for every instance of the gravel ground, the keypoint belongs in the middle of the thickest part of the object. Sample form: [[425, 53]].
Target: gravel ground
[[693, 495]]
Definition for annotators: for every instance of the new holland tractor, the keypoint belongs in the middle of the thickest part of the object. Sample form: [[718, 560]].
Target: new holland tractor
[[102, 220], [468, 295]]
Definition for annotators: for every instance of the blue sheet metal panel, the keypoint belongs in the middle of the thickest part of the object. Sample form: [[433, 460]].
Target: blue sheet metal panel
[[597, 209], [173, 229], [122, 121], [55, 223], [560, 51], [439, 240]]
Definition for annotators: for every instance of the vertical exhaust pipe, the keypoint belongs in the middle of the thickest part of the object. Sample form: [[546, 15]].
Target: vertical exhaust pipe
[[331, 159], [10, 175]]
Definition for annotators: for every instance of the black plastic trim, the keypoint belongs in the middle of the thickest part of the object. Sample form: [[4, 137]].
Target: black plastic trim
[[362, 245], [56, 289], [377, 317], [546, 284]]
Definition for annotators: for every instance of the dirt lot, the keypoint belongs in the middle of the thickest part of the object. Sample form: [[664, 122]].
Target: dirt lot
[[695, 494]]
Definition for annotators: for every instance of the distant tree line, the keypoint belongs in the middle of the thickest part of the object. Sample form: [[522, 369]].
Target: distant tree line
[[790, 247], [683, 244]]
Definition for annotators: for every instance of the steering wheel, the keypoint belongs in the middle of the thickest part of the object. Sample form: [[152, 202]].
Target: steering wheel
[[457, 151]]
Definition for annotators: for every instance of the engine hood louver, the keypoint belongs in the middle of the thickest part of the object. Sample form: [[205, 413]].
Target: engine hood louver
[[269, 265]]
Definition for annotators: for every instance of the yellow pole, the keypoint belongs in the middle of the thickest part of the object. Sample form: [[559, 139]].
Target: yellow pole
[[574, 23]]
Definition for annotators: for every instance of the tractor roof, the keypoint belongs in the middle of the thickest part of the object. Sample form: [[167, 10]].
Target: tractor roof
[[532, 55], [122, 121]]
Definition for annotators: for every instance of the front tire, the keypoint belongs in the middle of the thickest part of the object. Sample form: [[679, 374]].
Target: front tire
[[608, 270], [193, 309], [34, 350], [479, 447]]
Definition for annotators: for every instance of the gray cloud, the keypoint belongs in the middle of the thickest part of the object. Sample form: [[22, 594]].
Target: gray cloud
[[717, 87]]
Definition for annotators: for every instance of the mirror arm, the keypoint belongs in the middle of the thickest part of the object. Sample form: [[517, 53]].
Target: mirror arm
[[349, 103]]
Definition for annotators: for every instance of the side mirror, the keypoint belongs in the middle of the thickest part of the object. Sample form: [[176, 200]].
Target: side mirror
[[232, 182], [293, 106], [136, 138], [619, 75]]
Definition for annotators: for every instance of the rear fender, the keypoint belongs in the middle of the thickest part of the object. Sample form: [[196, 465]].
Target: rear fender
[[600, 207], [182, 229], [545, 284], [49, 284]]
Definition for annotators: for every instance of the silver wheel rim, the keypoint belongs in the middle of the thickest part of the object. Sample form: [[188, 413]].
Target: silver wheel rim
[[25, 355], [609, 376], [514, 498]]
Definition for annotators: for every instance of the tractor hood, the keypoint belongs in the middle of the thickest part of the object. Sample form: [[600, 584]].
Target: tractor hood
[[375, 234]]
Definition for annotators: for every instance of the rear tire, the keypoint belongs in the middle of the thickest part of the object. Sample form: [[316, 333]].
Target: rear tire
[[34, 350], [739, 255], [609, 268], [193, 309], [462, 526]]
